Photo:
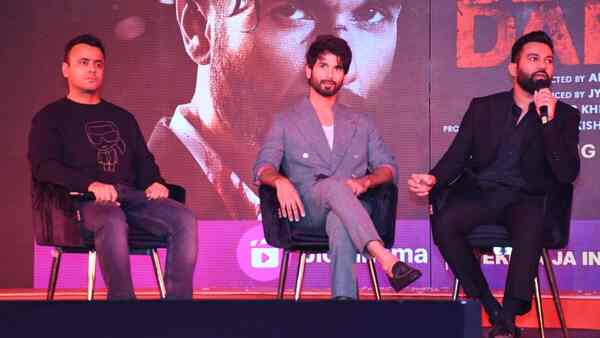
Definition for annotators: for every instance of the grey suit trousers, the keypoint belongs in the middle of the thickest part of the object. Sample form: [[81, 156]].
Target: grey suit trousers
[[348, 225]]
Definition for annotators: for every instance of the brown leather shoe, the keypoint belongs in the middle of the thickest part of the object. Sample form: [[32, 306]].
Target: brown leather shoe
[[403, 275]]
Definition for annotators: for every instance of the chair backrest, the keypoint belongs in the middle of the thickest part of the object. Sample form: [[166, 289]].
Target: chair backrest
[[55, 221], [384, 203], [177, 193], [280, 233], [277, 230]]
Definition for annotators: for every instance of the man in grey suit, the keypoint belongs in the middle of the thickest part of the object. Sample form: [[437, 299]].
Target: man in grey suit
[[326, 174]]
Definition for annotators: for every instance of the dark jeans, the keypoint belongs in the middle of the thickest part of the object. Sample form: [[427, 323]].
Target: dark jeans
[[468, 206], [162, 217]]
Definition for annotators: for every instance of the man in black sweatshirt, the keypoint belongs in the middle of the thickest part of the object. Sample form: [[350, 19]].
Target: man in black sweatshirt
[[85, 143]]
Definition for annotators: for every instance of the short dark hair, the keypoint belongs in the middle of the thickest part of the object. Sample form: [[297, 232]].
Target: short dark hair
[[332, 44], [535, 36], [87, 39]]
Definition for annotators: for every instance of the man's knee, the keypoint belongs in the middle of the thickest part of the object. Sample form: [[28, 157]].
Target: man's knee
[[444, 226], [186, 219], [334, 187], [110, 220], [173, 217]]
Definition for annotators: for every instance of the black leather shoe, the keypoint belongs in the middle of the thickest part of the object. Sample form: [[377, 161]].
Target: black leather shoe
[[403, 275], [504, 329]]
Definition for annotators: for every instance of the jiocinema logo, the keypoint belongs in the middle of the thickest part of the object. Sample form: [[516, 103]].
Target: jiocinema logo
[[256, 258]]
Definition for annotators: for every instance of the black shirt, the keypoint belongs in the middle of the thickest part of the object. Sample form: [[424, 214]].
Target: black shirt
[[505, 170]]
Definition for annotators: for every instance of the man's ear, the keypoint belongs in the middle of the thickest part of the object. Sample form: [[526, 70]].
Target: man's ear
[[192, 18], [308, 71], [65, 72], [512, 69]]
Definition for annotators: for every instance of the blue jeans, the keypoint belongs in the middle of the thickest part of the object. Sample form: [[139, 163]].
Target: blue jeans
[[162, 217]]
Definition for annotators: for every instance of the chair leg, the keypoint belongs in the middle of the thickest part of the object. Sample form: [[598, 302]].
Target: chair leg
[[56, 255], [300, 275], [538, 303], [283, 274], [158, 273], [373, 275], [91, 274], [554, 289], [455, 289]]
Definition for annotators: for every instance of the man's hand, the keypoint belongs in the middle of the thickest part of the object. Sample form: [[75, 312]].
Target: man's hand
[[359, 185], [103, 192], [421, 184], [156, 191], [289, 200], [544, 97]]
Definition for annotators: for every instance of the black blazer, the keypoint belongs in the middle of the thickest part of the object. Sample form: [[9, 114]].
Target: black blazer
[[549, 155]]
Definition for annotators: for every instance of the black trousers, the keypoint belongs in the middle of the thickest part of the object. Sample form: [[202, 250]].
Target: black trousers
[[469, 205]]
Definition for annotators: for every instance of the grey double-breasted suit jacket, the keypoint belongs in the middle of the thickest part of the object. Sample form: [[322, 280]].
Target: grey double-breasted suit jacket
[[296, 145]]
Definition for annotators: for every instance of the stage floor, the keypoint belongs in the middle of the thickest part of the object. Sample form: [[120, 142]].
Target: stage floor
[[577, 307], [581, 311]]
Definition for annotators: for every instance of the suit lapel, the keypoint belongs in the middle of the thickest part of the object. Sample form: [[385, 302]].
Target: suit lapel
[[500, 118], [344, 129], [309, 126]]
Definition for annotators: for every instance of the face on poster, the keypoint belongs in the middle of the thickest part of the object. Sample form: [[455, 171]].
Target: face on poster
[[472, 61], [249, 59]]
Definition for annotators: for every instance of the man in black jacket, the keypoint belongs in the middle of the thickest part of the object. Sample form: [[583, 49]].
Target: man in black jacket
[[85, 143], [512, 147]]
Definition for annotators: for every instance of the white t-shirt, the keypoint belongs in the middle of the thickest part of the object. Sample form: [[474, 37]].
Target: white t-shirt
[[329, 134]]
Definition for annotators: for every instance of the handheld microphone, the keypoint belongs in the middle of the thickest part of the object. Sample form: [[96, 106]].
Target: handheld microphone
[[544, 114], [541, 84]]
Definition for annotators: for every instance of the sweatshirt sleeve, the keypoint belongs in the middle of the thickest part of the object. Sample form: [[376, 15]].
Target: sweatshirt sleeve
[[147, 171], [45, 155]]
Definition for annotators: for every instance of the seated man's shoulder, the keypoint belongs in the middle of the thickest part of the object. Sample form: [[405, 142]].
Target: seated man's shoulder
[[289, 113], [359, 117], [111, 106], [53, 113], [53, 107], [567, 108], [499, 96]]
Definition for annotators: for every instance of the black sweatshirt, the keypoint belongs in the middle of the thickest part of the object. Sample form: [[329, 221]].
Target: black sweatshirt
[[73, 145]]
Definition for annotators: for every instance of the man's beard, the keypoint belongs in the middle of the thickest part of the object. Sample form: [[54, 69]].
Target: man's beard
[[235, 99], [322, 91], [530, 84]]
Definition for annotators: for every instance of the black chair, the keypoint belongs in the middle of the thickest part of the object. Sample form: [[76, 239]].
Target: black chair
[[282, 234], [557, 218], [57, 223]]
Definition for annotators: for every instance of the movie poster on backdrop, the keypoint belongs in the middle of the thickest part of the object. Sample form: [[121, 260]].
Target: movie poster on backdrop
[[415, 69], [205, 101], [252, 66], [470, 60]]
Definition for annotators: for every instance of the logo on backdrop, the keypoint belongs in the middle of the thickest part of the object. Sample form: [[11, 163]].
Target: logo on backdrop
[[256, 258], [588, 151]]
